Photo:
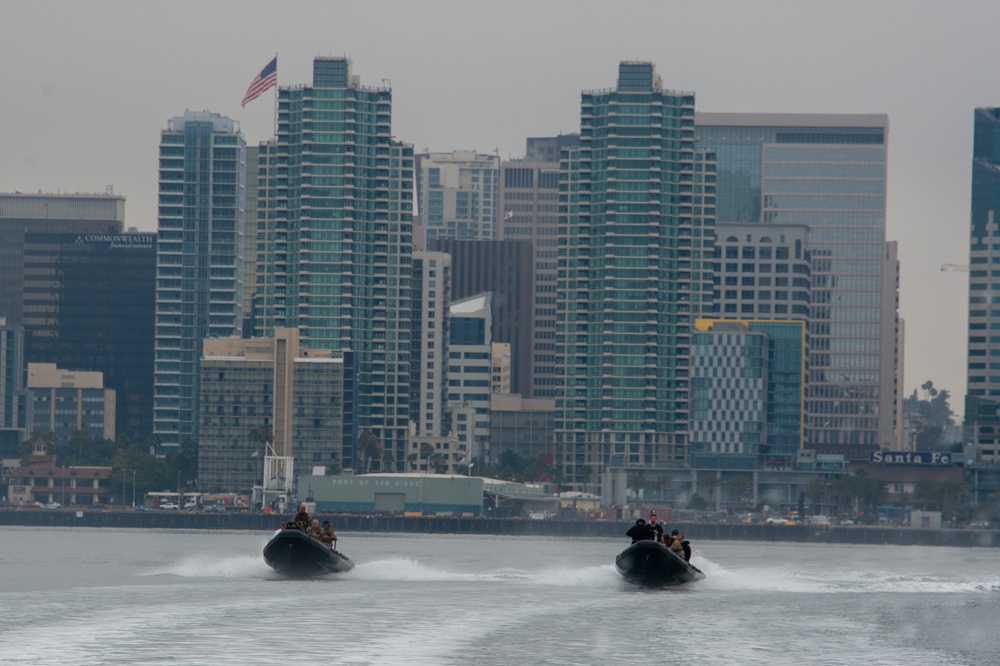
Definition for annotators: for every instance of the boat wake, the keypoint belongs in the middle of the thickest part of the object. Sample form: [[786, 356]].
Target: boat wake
[[779, 579], [403, 569], [205, 566]]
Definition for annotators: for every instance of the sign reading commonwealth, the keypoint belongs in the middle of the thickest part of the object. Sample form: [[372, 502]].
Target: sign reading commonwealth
[[937, 458]]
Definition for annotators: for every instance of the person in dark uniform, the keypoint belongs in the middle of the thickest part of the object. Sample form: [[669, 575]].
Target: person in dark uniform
[[640, 531], [302, 520], [656, 528]]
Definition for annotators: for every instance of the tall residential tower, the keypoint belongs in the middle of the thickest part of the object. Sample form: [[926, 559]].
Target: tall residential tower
[[635, 270], [335, 241], [199, 260]]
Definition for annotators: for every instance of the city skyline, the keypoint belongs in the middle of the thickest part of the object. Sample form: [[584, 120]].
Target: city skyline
[[87, 118]]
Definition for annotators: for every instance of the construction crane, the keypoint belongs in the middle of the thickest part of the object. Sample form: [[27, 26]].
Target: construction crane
[[954, 268]]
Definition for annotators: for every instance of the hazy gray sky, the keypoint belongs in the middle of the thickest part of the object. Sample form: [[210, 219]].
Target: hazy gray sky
[[87, 87]]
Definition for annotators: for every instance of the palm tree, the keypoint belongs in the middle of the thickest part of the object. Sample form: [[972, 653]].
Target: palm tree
[[369, 448]]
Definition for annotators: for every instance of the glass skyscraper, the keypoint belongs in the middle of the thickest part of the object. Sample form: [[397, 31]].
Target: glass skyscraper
[[199, 260], [827, 172], [984, 265], [335, 240], [635, 269]]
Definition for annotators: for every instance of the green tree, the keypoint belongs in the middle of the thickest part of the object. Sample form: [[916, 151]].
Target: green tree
[[426, 451], [150, 474]]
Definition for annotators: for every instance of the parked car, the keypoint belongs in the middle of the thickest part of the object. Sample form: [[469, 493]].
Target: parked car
[[190, 506], [140, 508], [31, 505], [169, 505], [847, 521], [775, 521], [53, 505]]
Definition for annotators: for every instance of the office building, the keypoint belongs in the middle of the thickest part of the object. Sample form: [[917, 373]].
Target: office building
[[63, 402], [335, 241], [636, 263], [763, 271], [457, 195], [828, 173], [47, 213], [747, 393], [88, 304], [270, 391], [199, 260], [503, 268], [470, 352], [529, 211]]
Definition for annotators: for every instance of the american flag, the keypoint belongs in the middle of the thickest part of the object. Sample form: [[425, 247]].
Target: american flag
[[267, 78]]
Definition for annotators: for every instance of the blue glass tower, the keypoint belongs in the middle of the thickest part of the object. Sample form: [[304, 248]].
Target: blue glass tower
[[637, 206]]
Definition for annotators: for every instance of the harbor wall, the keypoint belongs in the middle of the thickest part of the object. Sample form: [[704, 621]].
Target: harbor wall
[[901, 536]]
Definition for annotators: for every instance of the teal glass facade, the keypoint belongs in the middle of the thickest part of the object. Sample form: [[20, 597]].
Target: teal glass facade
[[635, 268], [199, 260], [334, 240]]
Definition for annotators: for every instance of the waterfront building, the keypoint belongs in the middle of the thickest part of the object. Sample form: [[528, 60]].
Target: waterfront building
[[636, 265], [47, 213], [63, 402], [42, 480], [335, 241], [270, 391], [88, 304], [503, 268], [199, 260], [828, 173], [747, 393], [457, 195]]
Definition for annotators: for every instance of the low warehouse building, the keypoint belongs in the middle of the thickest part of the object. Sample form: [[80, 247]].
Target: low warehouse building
[[395, 493]]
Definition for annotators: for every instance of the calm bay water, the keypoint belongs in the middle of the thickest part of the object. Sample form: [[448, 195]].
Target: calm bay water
[[87, 596]]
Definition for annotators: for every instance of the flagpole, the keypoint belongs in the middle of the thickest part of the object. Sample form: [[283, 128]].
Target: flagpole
[[275, 97]]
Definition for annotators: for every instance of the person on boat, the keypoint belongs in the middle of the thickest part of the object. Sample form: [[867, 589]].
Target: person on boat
[[284, 526], [327, 535], [676, 543], [314, 529], [640, 531], [302, 520], [656, 528]]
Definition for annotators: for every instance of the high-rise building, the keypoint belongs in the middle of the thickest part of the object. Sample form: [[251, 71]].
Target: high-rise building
[[636, 262], [983, 372], [529, 211], [470, 353], [13, 398], [763, 271], [47, 213], [503, 268], [335, 239], [827, 172], [88, 305], [431, 289], [457, 195], [747, 388], [199, 260]]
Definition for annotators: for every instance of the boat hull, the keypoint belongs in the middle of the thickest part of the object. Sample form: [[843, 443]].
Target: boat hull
[[298, 555], [651, 564]]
